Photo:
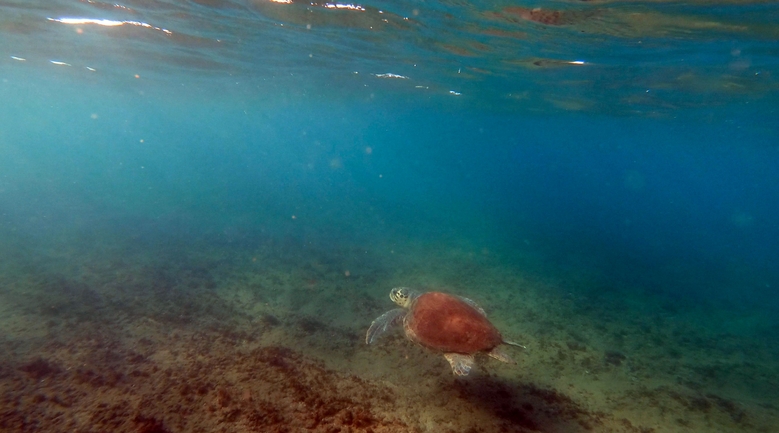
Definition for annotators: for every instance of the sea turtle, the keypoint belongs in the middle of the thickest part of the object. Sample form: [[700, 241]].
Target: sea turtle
[[450, 324]]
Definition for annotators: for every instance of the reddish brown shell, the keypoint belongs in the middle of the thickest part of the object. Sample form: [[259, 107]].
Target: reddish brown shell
[[448, 324]]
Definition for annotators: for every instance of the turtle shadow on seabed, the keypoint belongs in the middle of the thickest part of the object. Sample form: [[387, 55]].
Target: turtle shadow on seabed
[[526, 407]]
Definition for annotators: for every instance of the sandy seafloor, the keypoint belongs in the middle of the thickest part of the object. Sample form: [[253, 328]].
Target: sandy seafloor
[[156, 333]]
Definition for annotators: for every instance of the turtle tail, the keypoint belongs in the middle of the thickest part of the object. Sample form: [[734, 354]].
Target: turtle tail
[[511, 343]]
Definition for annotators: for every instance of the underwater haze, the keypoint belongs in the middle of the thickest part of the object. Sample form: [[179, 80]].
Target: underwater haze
[[204, 205]]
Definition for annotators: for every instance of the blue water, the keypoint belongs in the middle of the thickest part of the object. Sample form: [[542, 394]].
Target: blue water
[[655, 201], [634, 142]]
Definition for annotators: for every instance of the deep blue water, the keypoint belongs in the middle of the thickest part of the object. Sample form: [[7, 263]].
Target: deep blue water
[[683, 205]]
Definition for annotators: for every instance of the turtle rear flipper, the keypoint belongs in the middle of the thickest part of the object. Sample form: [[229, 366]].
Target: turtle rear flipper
[[501, 355], [461, 363], [384, 323], [473, 304]]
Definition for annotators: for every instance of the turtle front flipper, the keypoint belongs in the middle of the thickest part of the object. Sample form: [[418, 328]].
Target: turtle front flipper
[[383, 323], [461, 364]]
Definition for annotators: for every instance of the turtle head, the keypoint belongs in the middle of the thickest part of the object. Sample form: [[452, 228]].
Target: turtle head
[[402, 296]]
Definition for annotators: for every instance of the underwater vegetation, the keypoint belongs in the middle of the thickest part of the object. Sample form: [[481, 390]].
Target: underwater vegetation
[[264, 339]]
